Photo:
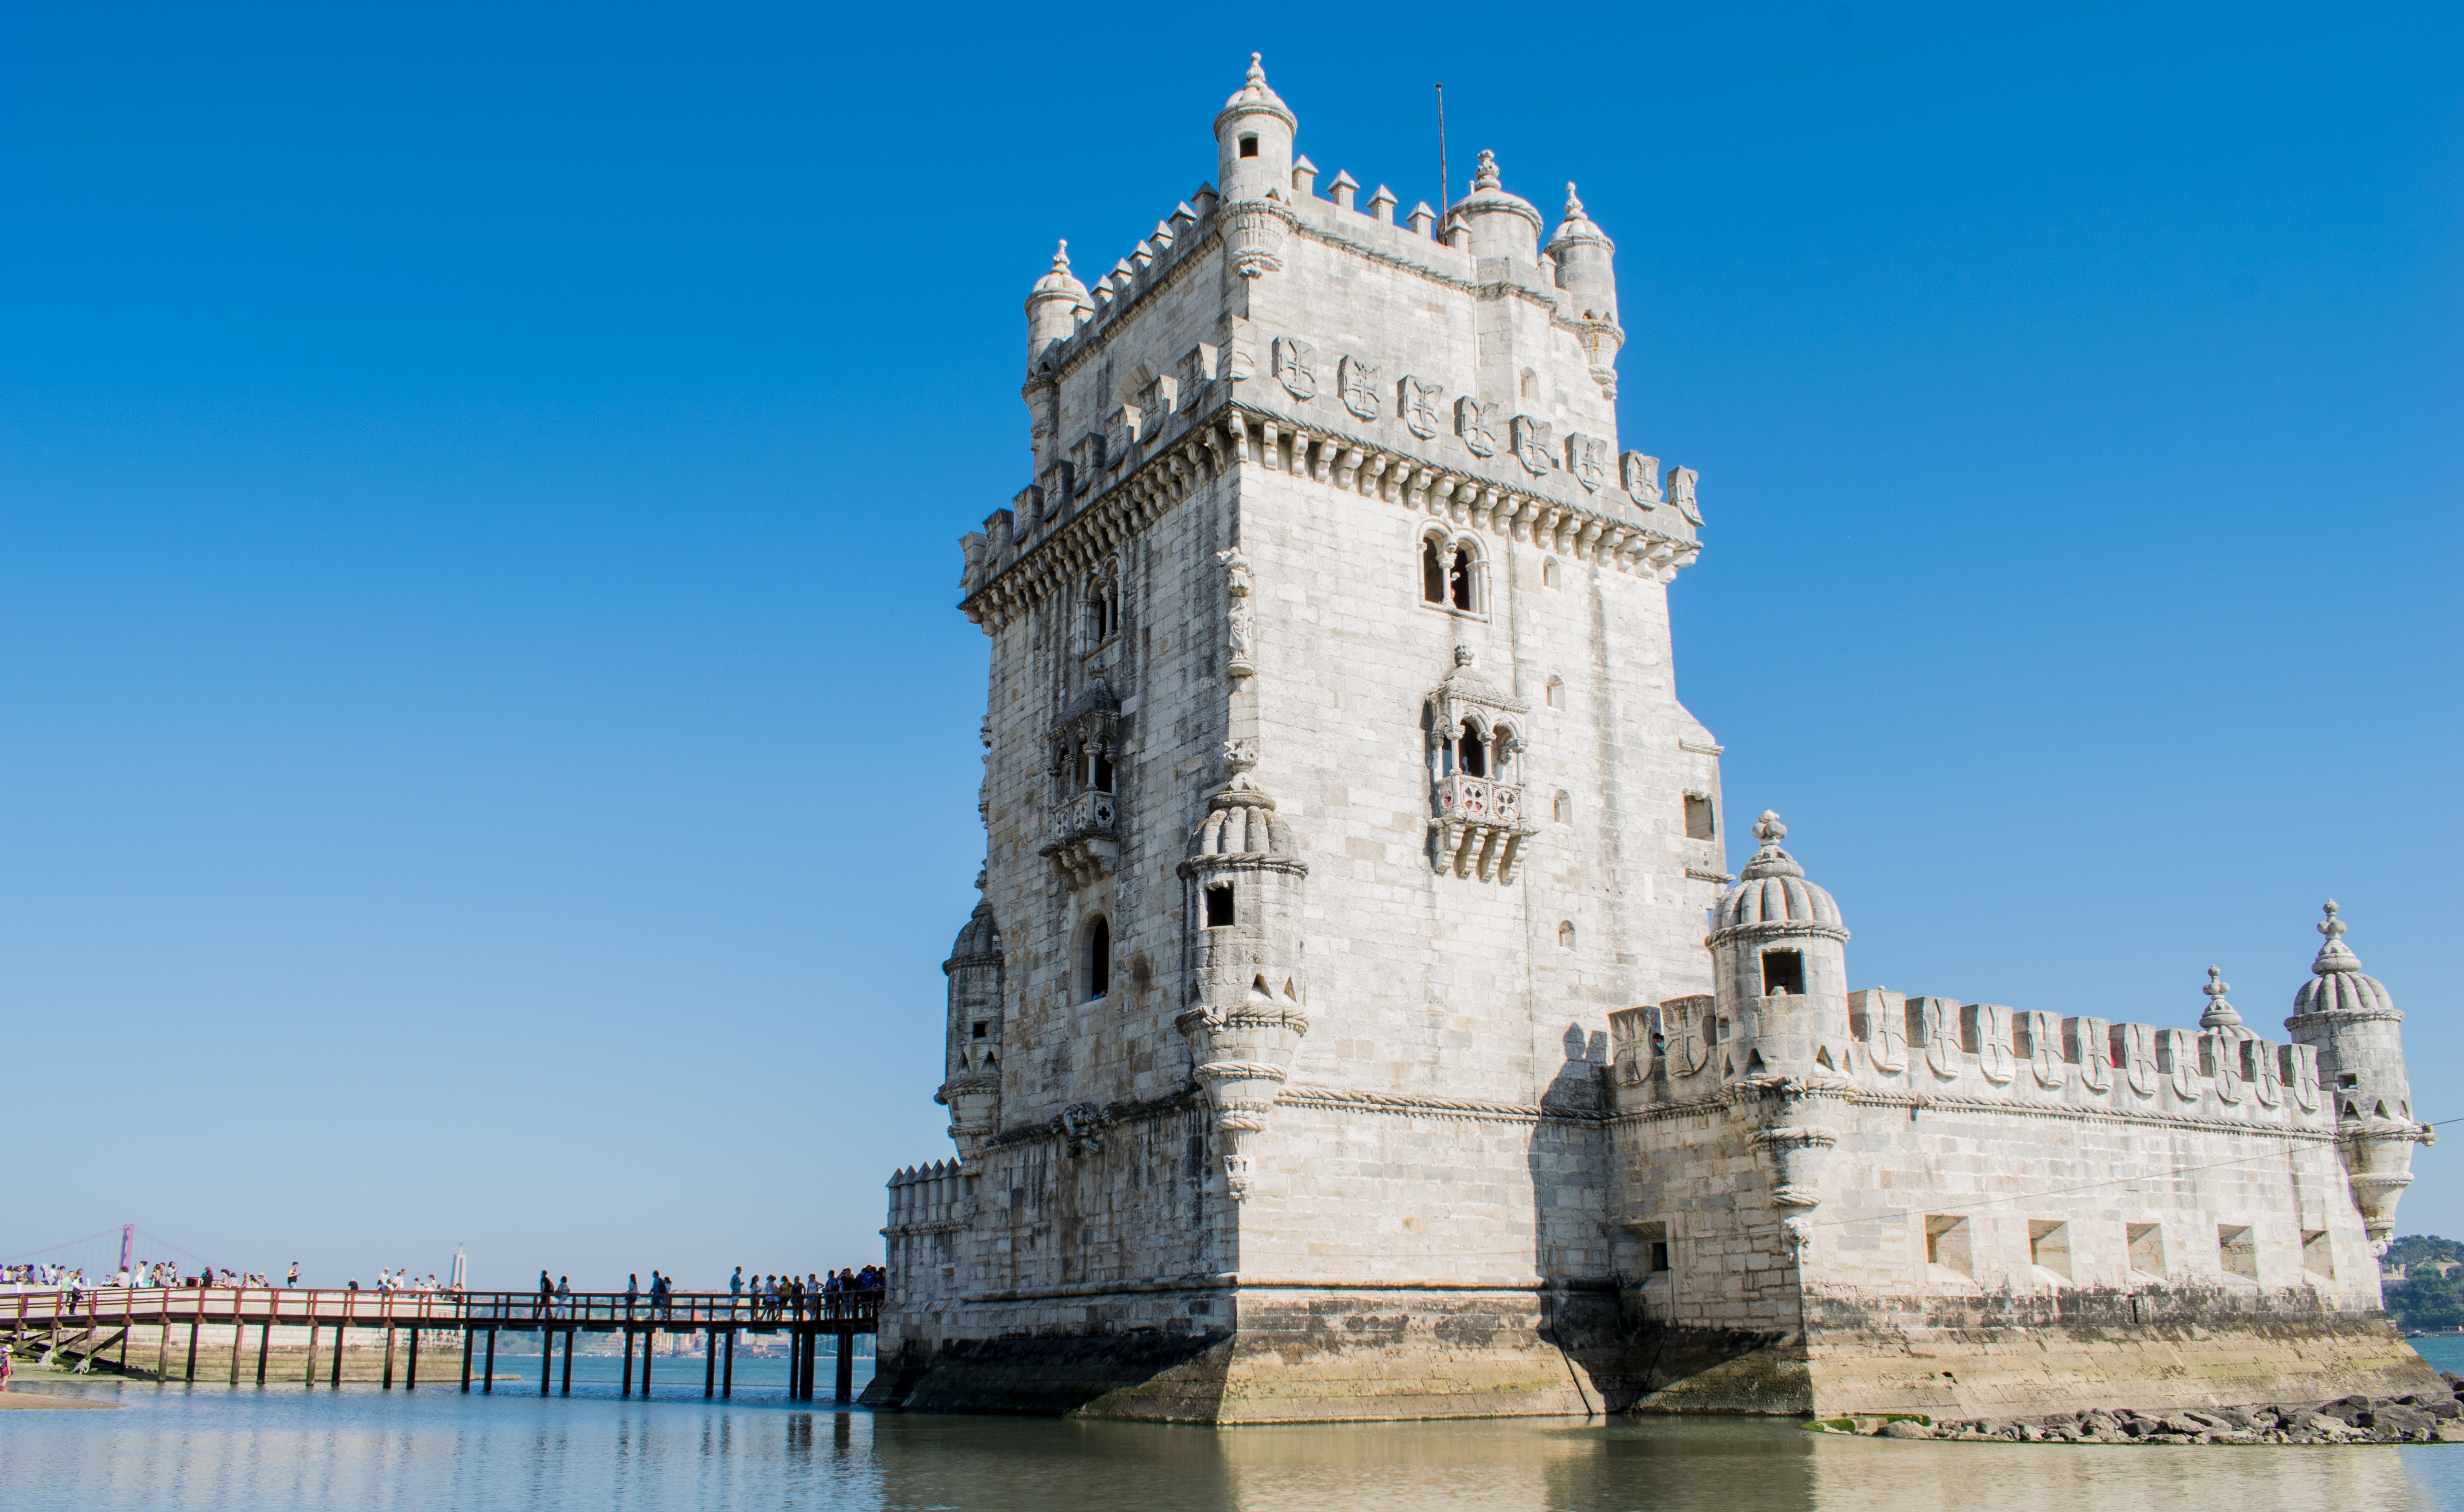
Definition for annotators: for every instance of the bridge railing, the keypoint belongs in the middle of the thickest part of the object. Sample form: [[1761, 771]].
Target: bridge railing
[[289, 1306]]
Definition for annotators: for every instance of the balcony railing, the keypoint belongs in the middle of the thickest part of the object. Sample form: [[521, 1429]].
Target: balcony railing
[[1479, 800]]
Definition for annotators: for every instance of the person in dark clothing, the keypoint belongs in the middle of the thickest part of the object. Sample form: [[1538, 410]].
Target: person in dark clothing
[[546, 1295]]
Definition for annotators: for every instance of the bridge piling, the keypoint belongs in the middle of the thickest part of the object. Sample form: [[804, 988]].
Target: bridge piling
[[264, 1342], [627, 1389], [709, 1363], [313, 1331], [570, 1335], [727, 1384], [388, 1362], [845, 1382], [191, 1378], [547, 1359], [488, 1387], [647, 1339], [410, 1378], [466, 1362], [339, 1337], [239, 1344]]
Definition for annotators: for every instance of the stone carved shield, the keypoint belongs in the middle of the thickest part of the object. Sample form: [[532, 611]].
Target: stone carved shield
[[1358, 382], [2138, 1057], [1988, 1026], [2044, 1033], [1640, 475], [1939, 1018], [1687, 1029], [1680, 493], [1883, 1025], [1631, 1054], [2220, 1059], [1295, 363], [2177, 1055], [2301, 1065], [1532, 446], [1417, 402], [1587, 457], [1477, 424], [2259, 1068], [2088, 1043]]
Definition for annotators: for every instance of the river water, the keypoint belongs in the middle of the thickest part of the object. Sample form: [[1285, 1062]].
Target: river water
[[171, 1448]]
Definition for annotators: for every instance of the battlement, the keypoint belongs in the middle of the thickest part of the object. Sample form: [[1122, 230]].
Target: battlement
[[926, 1199]]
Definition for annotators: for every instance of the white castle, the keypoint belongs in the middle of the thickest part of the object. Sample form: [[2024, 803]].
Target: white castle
[[1339, 1035]]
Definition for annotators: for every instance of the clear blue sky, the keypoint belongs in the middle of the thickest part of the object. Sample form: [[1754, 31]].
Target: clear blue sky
[[489, 751]]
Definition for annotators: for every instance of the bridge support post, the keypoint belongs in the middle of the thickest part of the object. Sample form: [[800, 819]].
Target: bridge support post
[[488, 1386], [570, 1335], [239, 1339], [162, 1337], [388, 1366], [795, 1364], [410, 1376], [812, 1359], [264, 1340], [547, 1359], [846, 1365], [647, 1339], [339, 1337], [466, 1360], [709, 1363], [726, 1379], [313, 1331], [191, 1378], [627, 1389]]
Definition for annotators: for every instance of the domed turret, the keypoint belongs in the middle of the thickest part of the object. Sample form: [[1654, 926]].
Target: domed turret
[[1780, 967], [1052, 307], [1501, 225], [2352, 1019], [1253, 139], [1585, 263], [970, 1088]]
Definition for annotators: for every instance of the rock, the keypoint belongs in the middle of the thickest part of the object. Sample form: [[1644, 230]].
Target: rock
[[2450, 1431], [2448, 1409], [2185, 1423], [1906, 1428], [2402, 1419]]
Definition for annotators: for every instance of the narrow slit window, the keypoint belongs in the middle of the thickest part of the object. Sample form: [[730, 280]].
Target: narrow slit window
[[1565, 935], [1659, 1256], [1563, 811], [1556, 693], [1099, 956], [1433, 572], [1458, 580], [1698, 817], [1219, 905], [1549, 573]]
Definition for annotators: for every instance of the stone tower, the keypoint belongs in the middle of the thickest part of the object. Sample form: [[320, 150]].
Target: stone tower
[[1336, 789]]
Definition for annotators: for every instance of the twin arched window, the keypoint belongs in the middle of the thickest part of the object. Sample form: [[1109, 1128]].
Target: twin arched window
[[1450, 573], [1476, 752]]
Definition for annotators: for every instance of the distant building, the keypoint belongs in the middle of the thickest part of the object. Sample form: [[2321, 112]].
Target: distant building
[[1339, 1035]]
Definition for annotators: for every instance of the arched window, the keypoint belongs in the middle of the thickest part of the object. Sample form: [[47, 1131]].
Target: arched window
[[1556, 693], [1099, 769], [1566, 934], [1102, 610], [1099, 956], [1530, 383], [1433, 572], [1459, 578], [1471, 752], [1563, 810], [1549, 573]]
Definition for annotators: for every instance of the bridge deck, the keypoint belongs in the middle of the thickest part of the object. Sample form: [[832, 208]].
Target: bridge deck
[[118, 1309]]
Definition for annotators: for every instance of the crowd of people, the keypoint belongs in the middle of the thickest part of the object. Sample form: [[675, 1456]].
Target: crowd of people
[[768, 1297], [157, 1273]]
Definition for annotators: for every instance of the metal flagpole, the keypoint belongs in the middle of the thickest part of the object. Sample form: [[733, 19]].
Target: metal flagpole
[[1445, 184]]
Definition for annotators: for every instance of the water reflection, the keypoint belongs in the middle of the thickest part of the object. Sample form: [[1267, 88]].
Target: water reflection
[[274, 1452]]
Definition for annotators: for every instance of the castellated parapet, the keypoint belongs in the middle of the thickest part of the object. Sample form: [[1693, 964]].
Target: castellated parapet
[[1339, 1035]]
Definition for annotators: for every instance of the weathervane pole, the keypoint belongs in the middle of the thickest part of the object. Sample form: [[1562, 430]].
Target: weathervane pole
[[1445, 184]]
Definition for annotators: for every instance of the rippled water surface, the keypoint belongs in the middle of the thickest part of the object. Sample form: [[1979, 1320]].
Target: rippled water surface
[[281, 1449]]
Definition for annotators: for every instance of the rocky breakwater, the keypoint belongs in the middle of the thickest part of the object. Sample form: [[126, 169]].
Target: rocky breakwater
[[2423, 1419]]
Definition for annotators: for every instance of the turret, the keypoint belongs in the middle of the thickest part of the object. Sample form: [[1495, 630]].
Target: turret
[[1052, 308], [1253, 141], [971, 1085], [1779, 968], [1245, 886], [1497, 224], [1587, 271], [2353, 1022]]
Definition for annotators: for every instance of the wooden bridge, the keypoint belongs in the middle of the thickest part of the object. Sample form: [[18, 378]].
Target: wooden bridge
[[89, 1322]]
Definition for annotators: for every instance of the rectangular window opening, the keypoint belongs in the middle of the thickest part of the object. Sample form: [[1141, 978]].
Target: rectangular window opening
[[1698, 817], [1783, 973], [984, 1028], [1947, 1244], [1659, 1256], [2049, 1247], [2317, 1255], [2146, 1249], [1219, 906], [2347, 1080], [2238, 1246]]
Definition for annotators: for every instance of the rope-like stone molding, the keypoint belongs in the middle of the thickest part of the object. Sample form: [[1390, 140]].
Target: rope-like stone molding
[[1860, 1096], [1110, 1115], [1471, 1108], [1230, 1281]]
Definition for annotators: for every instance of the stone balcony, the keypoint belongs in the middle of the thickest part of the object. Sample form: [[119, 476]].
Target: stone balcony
[[1479, 826], [1086, 844]]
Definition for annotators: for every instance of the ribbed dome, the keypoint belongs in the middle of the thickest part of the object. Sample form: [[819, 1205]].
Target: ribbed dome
[[2336, 984], [1253, 94], [1060, 281], [1772, 889], [1577, 226], [978, 939], [1242, 828], [1488, 196]]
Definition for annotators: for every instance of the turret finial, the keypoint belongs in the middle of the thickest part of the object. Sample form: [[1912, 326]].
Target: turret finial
[[1574, 205], [1769, 830], [1061, 257], [2335, 955], [2220, 1014], [1257, 70], [2334, 926], [1485, 177]]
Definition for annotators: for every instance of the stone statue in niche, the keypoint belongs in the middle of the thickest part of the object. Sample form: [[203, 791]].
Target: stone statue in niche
[[1640, 475], [1680, 493], [1239, 615], [1295, 365], [1477, 424], [1359, 381], [1587, 457], [1417, 404], [1532, 443]]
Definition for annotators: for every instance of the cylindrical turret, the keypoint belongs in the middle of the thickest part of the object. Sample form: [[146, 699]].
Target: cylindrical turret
[[1779, 965], [1253, 141], [970, 1088], [1052, 307], [1586, 269], [1499, 224], [2354, 1023]]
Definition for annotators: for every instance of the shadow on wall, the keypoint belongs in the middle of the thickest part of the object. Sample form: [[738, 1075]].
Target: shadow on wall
[[1568, 1157]]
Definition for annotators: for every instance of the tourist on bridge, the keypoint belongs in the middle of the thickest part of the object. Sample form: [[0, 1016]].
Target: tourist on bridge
[[735, 1290], [564, 1294], [633, 1290], [8, 1366], [546, 1296], [293, 1279]]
